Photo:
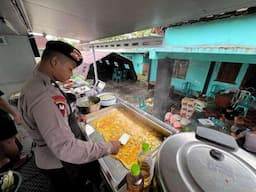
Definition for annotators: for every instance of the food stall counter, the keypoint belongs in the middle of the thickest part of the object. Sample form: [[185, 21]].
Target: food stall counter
[[109, 123]]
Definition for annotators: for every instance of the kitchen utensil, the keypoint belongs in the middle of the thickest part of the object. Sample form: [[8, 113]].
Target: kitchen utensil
[[124, 138], [107, 99], [207, 160], [88, 105]]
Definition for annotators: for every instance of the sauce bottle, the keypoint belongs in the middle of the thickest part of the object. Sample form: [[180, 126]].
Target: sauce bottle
[[146, 164], [134, 179]]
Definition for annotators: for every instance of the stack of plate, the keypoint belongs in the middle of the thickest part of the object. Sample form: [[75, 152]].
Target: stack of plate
[[107, 98]]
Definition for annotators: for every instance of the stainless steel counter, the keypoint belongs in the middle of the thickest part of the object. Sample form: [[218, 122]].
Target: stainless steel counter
[[113, 169]]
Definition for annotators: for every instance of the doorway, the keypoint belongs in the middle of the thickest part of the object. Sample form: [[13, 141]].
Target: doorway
[[249, 78], [208, 77]]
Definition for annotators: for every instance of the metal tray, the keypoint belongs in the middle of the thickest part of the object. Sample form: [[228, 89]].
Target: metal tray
[[113, 169]]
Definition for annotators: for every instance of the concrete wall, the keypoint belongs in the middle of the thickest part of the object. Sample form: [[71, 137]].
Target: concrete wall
[[196, 75], [16, 63]]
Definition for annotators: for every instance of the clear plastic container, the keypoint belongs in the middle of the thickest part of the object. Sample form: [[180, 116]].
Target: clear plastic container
[[134, 179], [17, 178], [146, 164]]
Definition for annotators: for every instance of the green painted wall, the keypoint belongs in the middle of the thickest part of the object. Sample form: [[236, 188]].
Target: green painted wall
[[239, 31], [153, 70], [229, 40], [196, 74]]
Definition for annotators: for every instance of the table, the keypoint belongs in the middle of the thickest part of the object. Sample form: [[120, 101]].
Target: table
[[218, 126]]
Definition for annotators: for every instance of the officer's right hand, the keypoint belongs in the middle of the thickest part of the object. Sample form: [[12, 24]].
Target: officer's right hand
[[17, 118], [115, 147]]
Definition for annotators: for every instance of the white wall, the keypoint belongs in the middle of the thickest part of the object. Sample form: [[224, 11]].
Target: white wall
[[16, 63]]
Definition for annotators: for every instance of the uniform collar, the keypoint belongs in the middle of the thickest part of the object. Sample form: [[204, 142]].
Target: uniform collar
[[46, 79]]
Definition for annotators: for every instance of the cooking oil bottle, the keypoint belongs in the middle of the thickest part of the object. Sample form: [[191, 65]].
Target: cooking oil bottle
[[134, 179], [146, 164]]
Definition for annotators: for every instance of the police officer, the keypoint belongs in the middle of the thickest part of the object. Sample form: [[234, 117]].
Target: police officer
[[60, 152]]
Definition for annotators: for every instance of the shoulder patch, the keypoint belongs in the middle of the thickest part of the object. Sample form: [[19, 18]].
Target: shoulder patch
[[60, 101]]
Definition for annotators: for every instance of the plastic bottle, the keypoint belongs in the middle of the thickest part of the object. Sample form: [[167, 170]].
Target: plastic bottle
[[146, 164], [134, 179]]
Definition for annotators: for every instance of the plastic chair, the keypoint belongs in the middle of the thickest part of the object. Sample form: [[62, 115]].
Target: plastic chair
[[117, 75], [235, 97], [214, 90], [186, 88], [245, 101], [142, 104], [114, 75], [124, 74], [240, 96]]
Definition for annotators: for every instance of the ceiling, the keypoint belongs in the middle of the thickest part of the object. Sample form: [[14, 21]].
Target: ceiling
[[10, 21], [89, 20]]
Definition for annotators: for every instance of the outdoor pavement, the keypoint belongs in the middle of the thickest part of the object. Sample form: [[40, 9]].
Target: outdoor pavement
[[129, 90]]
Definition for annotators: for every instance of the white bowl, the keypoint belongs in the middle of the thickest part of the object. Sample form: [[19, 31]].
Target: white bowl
[[107, 99]]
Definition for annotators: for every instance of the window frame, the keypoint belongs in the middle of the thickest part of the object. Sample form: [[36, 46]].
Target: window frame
[[177, 68], [226, 69]]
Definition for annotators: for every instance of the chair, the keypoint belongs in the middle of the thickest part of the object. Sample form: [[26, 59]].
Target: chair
[[199, 105], [186, 88], [114, 75], [117, 75], [239, 96], [235, 97], [142, 104], [245, 101], [214, 90], [125, 73]]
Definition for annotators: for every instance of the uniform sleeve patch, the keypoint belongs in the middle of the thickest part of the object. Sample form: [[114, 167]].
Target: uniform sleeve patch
[[60, 102]]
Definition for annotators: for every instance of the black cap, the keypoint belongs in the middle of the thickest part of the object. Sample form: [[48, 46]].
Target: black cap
[[66, 49]]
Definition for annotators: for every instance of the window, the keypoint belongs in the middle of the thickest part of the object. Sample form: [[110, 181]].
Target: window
[[107, 61], [126, 66], [135, 44], [228, 72], [116, 64], [180, 69]]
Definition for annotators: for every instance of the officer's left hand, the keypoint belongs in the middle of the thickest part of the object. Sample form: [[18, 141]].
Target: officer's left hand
[[81, 118]]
